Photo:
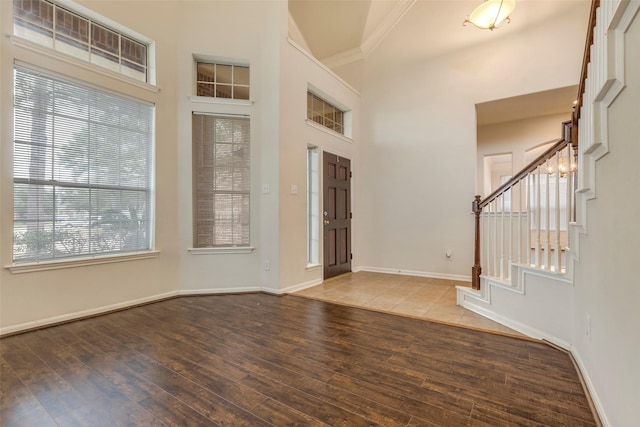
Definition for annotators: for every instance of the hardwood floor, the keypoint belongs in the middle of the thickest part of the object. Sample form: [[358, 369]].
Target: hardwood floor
[[262, 360]]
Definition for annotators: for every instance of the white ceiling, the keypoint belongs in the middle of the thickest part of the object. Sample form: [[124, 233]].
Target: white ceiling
[[338, 32], [333, 27]]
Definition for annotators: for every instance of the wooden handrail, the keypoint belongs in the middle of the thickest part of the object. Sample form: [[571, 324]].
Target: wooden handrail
[[586, 58], [559, 145]]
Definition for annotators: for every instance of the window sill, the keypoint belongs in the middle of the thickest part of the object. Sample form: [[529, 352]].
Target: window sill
[[315, 125], [79, 262], [220, 101], [313, 267], [221, 251]]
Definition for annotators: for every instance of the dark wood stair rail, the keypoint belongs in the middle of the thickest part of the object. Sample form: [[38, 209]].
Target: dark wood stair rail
[[570, 135]]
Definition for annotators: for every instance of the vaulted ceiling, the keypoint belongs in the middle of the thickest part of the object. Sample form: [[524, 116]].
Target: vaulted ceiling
[[338, 32]]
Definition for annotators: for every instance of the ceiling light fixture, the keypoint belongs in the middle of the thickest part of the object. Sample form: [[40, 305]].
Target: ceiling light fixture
[[491, 14]]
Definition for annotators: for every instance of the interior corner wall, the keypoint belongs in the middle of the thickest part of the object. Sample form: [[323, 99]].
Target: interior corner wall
[[515, 137], [607, 288], [418, 151]]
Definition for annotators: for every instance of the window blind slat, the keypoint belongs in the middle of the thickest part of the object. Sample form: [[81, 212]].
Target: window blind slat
[[221, 171], [82, 170]]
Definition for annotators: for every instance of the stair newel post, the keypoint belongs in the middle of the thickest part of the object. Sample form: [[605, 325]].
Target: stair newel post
[[477, 269]]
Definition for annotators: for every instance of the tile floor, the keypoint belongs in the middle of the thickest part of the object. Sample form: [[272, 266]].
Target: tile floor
[[422, 297]]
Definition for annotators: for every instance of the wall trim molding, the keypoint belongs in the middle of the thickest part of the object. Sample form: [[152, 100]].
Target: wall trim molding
[[402, 272], [373, 40], [301, 286], [593, 394], [321, 65], [83, 314]]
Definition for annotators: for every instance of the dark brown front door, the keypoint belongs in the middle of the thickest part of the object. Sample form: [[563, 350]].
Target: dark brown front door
[[336, 215]]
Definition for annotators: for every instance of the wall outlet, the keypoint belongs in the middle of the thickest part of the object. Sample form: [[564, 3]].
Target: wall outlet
[[266, 188], [267, 265]]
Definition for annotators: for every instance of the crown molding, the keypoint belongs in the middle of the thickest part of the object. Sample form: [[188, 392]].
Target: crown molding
[[371, 42], [296, 35]]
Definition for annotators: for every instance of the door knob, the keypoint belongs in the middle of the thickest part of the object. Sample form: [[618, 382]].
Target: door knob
[[326, 222]]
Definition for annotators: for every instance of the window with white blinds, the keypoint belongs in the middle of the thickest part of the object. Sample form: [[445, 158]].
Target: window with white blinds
[[82, 170], [221, 181]]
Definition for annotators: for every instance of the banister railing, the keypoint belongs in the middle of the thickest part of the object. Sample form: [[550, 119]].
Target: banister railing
[[526, 220], [586, 59], [533, 241]]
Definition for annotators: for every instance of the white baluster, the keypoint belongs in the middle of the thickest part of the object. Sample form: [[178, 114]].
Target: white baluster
[[502, 236], [510, 235], [547, 239], [519, 234], [538, 217], [530, 179], [558, 253]]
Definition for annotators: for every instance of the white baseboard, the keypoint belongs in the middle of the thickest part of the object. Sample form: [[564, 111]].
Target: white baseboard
[[301, 286], [592, 390], [214, 291], [457, 277], [84, 313], [515, 325]]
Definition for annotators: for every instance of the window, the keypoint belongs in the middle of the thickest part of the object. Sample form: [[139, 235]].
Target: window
[[325, 114], [64, 30], [222, 81], [221, 180], [313, 207], [82, 170]]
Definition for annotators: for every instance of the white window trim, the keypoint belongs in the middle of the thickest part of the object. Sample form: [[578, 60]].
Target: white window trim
[[80, 262], [326, 130], [221, 250], [220, 101], [61, 56]]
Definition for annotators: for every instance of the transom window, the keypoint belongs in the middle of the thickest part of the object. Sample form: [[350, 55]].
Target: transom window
[[324, 113], [221, 180], [82, 170], [222, 80], [46, 23]]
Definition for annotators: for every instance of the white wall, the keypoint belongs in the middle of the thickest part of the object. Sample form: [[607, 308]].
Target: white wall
[[607, 284], [279, 136], [31, 298], [298, 71], [419, 135], [205, 30]]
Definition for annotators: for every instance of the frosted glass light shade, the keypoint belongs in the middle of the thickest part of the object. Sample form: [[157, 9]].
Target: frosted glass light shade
[[491, 14]]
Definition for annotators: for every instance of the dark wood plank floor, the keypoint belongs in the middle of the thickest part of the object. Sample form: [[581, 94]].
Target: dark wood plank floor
[[261, 360]]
